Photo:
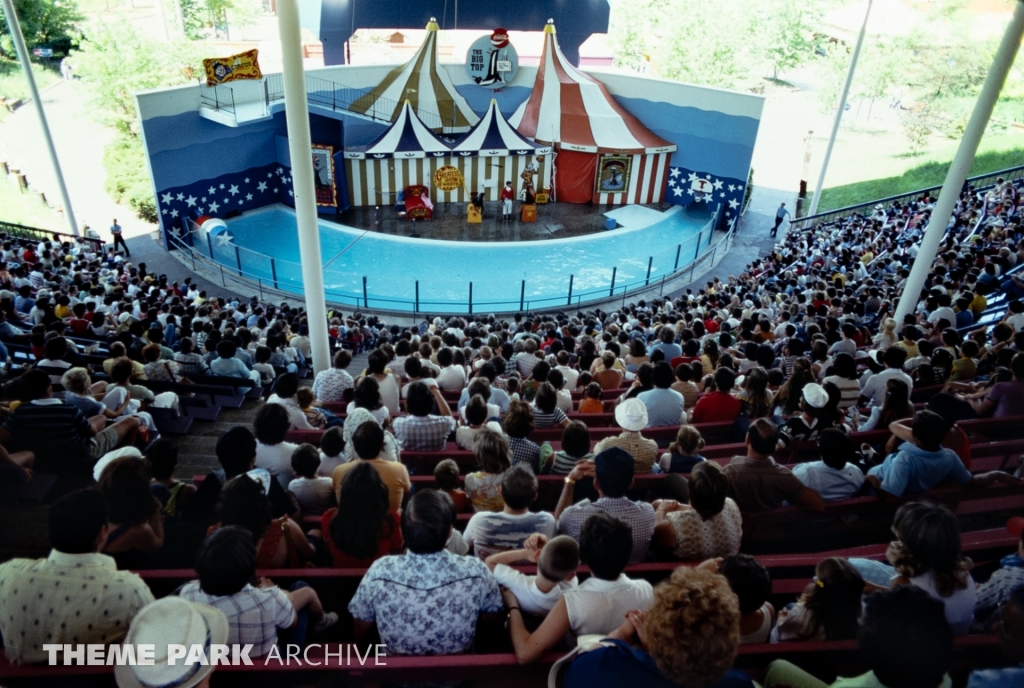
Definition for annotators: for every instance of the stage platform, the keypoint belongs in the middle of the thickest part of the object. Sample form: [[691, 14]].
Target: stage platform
[[554, 221]]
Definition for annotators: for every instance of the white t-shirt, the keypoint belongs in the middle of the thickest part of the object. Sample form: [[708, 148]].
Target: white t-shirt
[[428, 381], [959, 606], [598, 606], [295, 414], [329, 463], [315, 496], [491, 532], [277, 459], [531, 599], [452, 378]]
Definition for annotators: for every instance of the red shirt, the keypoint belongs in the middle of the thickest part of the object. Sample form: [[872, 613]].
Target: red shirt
[[711, 325], [80, 325], [391, 542], [507, 194], [716, 407]]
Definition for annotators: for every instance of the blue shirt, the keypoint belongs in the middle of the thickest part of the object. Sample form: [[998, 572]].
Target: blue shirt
[[670, 350], [426, 604], [230, 367], [499, 398], [664, 406], [1012, 677], [623, 666], [912, 470]]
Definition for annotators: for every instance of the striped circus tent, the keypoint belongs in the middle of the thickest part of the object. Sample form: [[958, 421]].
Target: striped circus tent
[[409, 153], [425, 84], [603, 153]]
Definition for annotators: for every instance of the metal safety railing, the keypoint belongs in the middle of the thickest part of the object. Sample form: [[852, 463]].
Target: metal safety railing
[[981, 181], [24, 232], [266, 275]]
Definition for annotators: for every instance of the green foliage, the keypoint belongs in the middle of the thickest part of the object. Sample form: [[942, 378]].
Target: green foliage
[[116, 61], [12, 81], [43, 23], [786, 32], [213, 18], [127, 178], [696, 41], [918, 126]]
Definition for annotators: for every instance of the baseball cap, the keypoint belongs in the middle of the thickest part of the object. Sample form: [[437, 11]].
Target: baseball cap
[[815, 395]]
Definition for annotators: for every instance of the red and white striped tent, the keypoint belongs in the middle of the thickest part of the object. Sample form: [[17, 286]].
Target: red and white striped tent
[[604, 154]]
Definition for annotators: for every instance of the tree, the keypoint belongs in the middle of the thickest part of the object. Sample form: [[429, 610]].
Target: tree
[[215, 17], [116, 61], [785, 29], [43, 23], [918, 126]]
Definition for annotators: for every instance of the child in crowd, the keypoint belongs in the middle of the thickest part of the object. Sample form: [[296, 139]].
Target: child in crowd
[[682, 454], [556, 559], [226, 564], [684, 385], [751, 582], [966, 366], [163, 459], [315, 494], [583, 381], [512, 385], [475, 414], [263, 367], [592, 399], [775, 380], [829, 608], [306, 401], [836, 476], [332, 451], [446, 477]]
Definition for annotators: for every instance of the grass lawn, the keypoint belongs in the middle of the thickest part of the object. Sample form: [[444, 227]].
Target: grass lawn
[[26, 208], [888, 174]]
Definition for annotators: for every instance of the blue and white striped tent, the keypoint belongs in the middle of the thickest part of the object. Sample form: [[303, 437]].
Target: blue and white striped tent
[[408, 153]]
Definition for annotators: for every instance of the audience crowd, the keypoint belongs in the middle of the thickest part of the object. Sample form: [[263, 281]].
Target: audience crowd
[[801, 350]]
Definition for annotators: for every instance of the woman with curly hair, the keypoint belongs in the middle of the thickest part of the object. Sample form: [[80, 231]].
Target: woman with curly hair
[[688, 637], [927, 554]]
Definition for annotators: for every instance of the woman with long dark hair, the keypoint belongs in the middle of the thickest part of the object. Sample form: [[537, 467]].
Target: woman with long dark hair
[[363, 528], [896, 407]]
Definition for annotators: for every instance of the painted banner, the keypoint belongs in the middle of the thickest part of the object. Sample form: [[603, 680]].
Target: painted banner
[[613, 173], [323, 176], [220, 70], [447, 178]]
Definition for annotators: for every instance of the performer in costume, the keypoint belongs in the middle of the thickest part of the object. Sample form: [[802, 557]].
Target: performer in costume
[[507, 196]]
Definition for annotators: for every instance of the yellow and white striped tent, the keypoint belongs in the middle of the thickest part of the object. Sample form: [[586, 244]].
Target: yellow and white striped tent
[[425, 84], [409, 153]]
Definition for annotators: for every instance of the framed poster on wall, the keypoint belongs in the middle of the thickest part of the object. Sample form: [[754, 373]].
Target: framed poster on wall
[[323, 175], [613, 173]]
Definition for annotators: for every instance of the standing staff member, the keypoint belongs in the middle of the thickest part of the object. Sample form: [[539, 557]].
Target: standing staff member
[[780, 215], [507, 196], [115, 229]]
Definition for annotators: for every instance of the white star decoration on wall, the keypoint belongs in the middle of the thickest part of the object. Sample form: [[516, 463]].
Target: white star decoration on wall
[[224, 239], [243, 192]]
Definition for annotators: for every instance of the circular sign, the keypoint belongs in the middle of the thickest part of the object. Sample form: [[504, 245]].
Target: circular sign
[[447, 178], [492, 61]]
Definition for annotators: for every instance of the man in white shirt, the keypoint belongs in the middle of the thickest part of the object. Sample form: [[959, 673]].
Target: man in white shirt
[[834, 477], [452, 378], [570, 375], [873, 390]]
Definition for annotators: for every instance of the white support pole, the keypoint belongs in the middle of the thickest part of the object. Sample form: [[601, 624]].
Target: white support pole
[[26, 67], [296, 108], [839, 113], [961, 164]]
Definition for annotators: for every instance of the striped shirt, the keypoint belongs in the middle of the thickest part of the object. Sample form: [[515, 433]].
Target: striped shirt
[[639, 516], [49, 426], [549, 420]]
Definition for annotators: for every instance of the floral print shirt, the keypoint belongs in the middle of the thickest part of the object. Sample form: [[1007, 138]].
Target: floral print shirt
[[426, 604]]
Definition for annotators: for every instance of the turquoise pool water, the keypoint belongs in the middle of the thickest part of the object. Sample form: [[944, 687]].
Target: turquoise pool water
[[269, 249]]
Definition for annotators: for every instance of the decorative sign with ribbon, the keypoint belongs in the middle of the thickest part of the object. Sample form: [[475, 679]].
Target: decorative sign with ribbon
[[447, 178], [221, 70]]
